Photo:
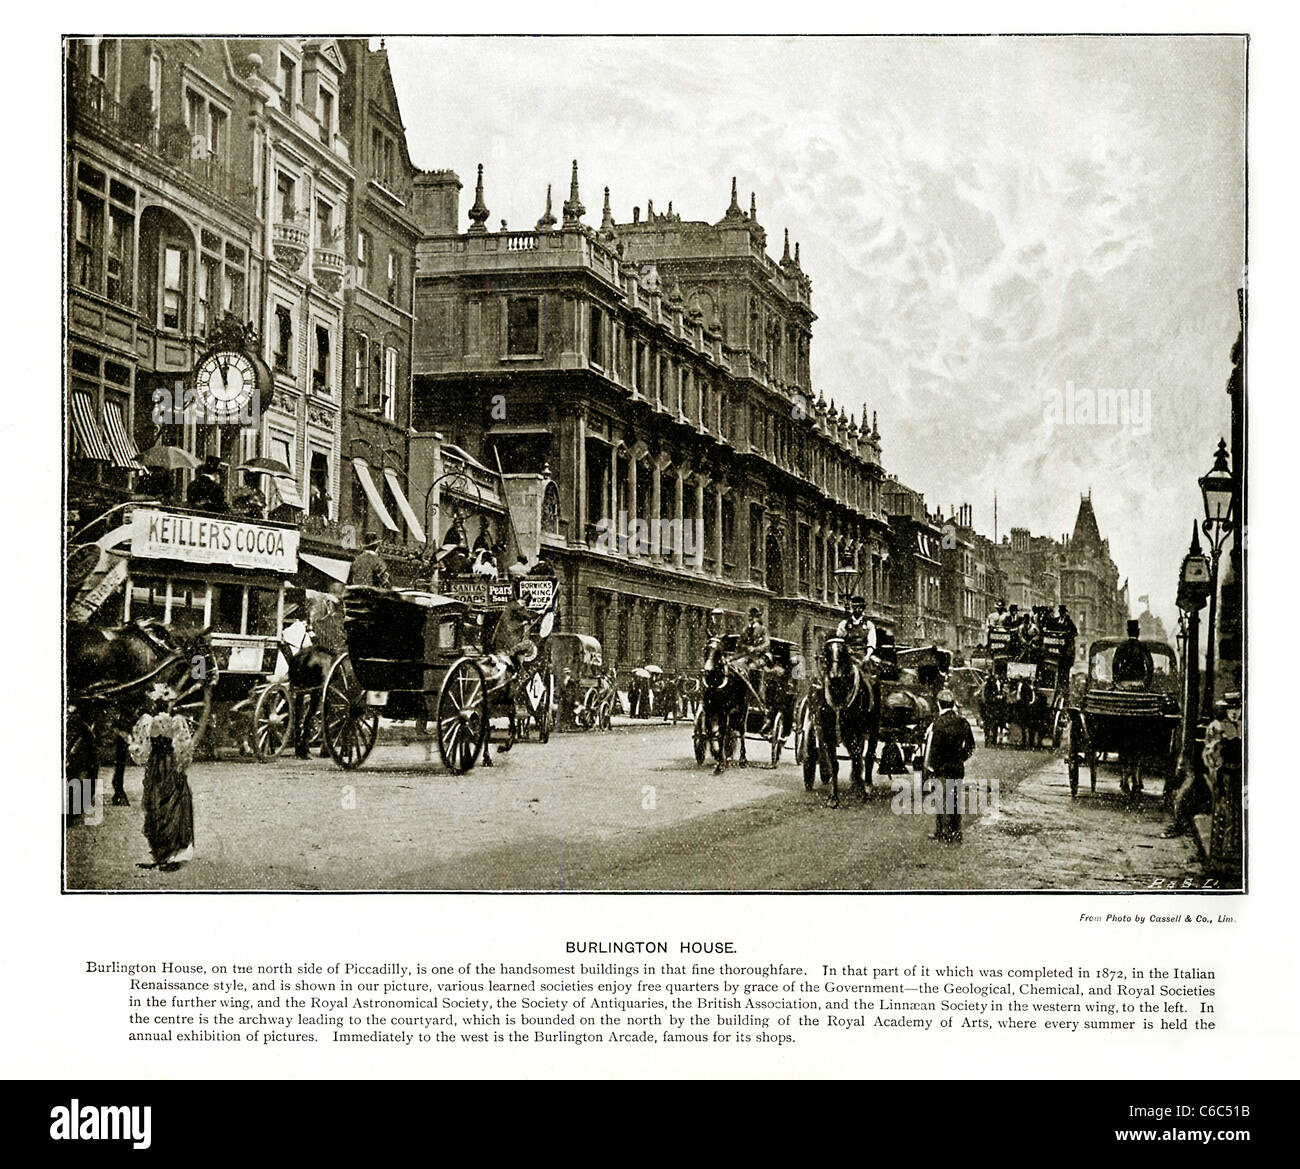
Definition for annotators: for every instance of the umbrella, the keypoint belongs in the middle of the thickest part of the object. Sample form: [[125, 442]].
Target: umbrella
[[652, 669], [640, 672], [169, 458], [267, 465]]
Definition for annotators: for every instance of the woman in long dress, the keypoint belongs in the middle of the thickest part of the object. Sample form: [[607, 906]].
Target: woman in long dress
[[164, 744]]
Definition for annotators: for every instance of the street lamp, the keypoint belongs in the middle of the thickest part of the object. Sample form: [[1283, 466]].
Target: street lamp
[[1193, 584], [1217, 493], [845, 575]]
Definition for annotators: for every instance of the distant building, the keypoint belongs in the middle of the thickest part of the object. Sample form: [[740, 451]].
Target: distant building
[[1090, 581], [654, 377], [916, 569]]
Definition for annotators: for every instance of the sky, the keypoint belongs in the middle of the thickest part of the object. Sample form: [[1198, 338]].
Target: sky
[[995, 228]]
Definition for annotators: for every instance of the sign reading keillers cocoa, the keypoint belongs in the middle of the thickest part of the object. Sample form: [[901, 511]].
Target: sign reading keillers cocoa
[[201, 539]]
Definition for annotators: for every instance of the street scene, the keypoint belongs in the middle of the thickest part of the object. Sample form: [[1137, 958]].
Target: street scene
[[409, 549], [629, 810]]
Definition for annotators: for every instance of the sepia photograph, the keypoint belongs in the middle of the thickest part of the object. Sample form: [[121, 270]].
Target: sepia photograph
[[634, 464]]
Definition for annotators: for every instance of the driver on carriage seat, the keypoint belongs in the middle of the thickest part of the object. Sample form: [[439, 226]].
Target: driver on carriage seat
[[859, 632], [755, 652], [511, 643], [1132, 666]]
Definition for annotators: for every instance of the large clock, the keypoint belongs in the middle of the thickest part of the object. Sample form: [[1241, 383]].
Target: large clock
[[224, 383]]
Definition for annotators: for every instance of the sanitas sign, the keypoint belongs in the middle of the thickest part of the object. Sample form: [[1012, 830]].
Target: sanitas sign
[[213, 540]]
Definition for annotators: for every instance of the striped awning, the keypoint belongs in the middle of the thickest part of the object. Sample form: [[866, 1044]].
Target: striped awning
[[362, 469], [403, 505], [286, 487], [120, 442], [87, 436]]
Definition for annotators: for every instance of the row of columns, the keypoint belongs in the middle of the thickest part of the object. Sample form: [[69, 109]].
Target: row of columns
[[617, 608]]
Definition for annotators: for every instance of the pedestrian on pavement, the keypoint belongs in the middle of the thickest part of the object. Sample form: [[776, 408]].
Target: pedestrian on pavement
[[948, 744]]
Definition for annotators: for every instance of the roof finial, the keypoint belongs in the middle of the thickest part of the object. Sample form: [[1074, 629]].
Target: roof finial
[[735, 205], [796, 253], [479, 212], [753, 207], [785, 256], [573, 208], [547, 221], [607, 216]]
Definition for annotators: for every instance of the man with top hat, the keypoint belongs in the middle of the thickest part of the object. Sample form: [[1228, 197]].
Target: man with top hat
[[755, 651], [716, 623], [369, 567], [206, 492], [858, 631], [949, 742], [998, 618], [1132, 666]]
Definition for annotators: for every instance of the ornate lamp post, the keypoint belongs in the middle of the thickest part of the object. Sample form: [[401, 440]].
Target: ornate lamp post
[[1193, 585], [1217, 492]]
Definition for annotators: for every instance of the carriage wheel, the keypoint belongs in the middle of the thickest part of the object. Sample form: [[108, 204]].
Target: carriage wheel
[[463, 726], [606, 714], [272, 721], [700, 738], [810, 751], [349, 724], [777, 738], [1071, 761], [544, 707]]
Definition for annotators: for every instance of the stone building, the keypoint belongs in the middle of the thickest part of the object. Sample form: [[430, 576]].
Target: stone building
[[654, 376], [208, 182], [972, 580], [916, 568], [1090, 581], [1031, 566]]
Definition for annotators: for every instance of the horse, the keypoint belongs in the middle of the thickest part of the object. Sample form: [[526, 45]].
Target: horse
[[845, 714], [992, 710], [110, 673], [1028, 710], [724, 696], [307, 664]]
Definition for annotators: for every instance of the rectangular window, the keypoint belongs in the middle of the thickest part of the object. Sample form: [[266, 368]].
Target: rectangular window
[[88, 216], [121, 236], [523, 317], [283, 337], [195, 108], [324, 224], [390, 384], [363, 256], [287, 78], [595, 351], [318, 485], [234, 284], [320, 373], [217, 133], [174, 279], [209, 284], [286, 201], [359, 347], [155, 85], [325, 115], [394, 277]]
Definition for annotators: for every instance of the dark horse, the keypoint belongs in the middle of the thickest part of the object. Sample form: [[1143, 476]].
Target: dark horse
[[110, 673], [725, 699], [1029, 711], [846, 714], [992, 710]]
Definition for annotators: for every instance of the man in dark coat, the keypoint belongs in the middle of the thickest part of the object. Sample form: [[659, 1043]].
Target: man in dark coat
[[948, 744], [1132, 665], [369, 567], [206, 492]]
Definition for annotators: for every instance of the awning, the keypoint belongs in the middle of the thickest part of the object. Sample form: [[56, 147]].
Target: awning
[[287, 489], [362, 469], [120, 443], [88, 438], [335, 569], [403, 505]]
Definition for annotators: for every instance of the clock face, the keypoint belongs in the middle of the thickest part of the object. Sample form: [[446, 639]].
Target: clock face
[[224, 383]]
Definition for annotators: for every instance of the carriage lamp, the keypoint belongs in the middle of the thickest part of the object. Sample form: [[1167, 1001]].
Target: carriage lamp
[[1217, 491], [844, 578]]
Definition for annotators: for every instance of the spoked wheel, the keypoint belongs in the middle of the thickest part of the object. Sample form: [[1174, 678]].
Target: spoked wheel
[[463, 725], [777, 737], [700, 739], [349, 724], [1071, 761], [606, 718], [272, 721], [809, 748]]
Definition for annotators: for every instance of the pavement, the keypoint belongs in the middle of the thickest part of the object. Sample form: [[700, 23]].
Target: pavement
[[628, 809]]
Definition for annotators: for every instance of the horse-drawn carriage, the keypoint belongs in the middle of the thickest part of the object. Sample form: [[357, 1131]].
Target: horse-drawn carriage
[[589, 702], [730, 710], [1027, 687], [857, 714], [1132, 714], [411, 656]]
